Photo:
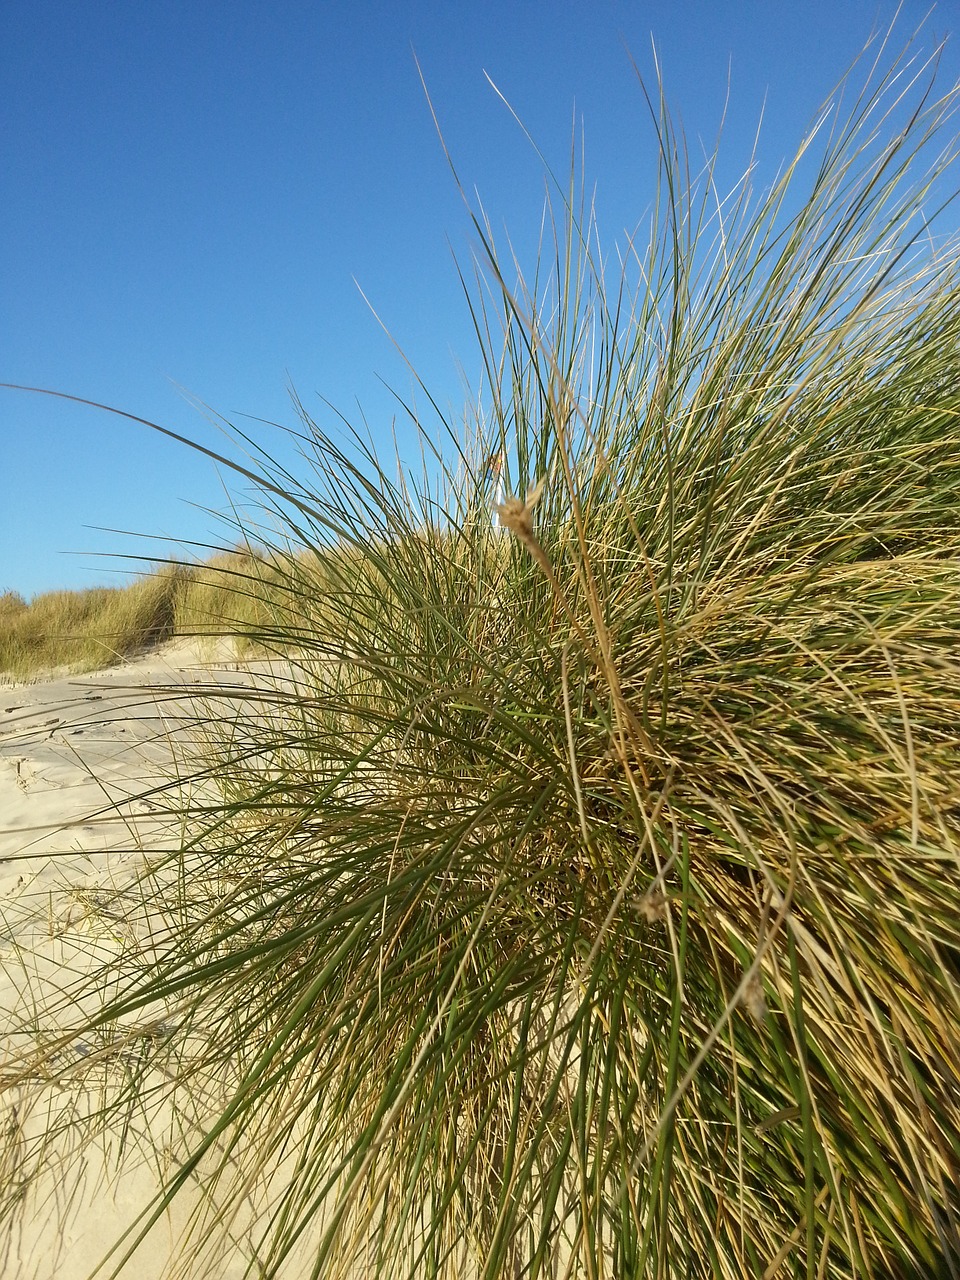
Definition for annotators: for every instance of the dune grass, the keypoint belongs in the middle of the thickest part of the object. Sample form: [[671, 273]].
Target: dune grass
[[582, 896], [235, 593], [83, 630], [239, 593]]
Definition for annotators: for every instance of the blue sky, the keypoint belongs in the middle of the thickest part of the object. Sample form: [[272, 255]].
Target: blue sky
[[192, 192]]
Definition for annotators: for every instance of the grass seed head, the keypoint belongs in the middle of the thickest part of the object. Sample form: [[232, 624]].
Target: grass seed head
[[517, 515], [754, 1000], [652, 906]]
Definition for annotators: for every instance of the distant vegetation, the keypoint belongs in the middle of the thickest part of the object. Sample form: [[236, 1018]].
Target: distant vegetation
[[235, 593]]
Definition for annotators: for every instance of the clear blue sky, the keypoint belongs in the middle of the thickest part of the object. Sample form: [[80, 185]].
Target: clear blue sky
[[188, 191]]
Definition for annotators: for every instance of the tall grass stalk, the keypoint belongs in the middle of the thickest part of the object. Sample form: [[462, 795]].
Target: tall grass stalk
[[581, 896]]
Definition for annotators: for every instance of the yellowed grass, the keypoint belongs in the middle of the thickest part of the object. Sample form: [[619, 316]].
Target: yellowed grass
[[239, 593]]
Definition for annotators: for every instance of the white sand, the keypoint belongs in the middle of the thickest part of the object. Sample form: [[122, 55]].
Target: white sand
[[73, 751]]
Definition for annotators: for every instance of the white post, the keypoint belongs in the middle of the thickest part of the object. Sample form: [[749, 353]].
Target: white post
[[495, 466]]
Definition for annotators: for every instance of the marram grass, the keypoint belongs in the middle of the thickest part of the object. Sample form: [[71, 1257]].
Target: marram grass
[[581, 897], [82, 630], [229, 592]]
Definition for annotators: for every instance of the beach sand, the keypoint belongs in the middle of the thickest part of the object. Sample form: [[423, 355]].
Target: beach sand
[[77, 755]]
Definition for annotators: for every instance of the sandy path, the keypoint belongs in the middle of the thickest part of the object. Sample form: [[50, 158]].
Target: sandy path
[[75, 753], [72, 746]]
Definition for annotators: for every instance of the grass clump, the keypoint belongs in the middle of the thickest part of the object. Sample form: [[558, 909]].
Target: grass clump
[[11, 604], [241, 593], [237, 594], [583, 896], [82, 630]]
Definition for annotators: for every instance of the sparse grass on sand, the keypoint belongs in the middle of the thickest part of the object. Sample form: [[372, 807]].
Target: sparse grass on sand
[[583, 897]]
